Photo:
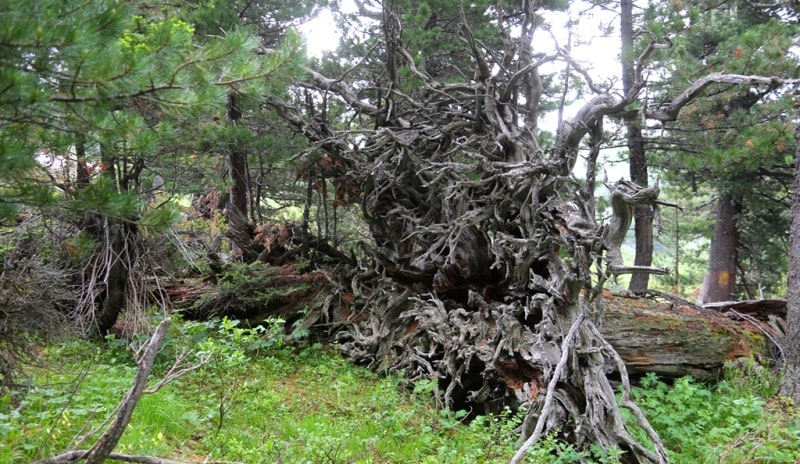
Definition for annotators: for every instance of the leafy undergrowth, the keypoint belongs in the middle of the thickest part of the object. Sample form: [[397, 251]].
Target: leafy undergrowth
[[259, 401], [737, 421], [255, 401]]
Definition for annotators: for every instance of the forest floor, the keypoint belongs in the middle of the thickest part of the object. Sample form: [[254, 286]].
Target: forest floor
[[260, 400]]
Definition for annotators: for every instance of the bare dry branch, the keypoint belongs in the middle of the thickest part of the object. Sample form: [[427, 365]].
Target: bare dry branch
[[669, 111], [108, 441]]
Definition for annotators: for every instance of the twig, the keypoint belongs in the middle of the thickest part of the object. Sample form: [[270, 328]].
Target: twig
[[178, 370]]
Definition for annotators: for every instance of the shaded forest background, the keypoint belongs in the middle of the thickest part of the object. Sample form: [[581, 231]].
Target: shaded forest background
[[400, 195]]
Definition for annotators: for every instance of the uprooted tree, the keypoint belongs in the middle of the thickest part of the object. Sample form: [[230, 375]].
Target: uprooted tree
[[487, 262]]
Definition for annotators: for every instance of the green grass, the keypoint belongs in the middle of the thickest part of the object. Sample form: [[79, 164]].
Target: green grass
[[268, 405], [258, 401]]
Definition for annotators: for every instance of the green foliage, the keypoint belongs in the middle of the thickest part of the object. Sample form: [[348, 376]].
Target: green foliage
[[105, 92], [682, 240], [234, 342], [144, 38], [259, 400], [550, 450], [728, 423], [127, 83], [732, 139], [159, 219], [252, 286], [254, 401], [102, 197]]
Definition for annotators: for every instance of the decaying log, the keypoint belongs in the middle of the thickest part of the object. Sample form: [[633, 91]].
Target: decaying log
[[675, 340], [255, 293], [672, 339]]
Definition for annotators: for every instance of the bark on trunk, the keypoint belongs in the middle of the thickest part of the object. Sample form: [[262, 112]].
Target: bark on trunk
[[237, 162], [642, 214], [237, 171], [82, 174], [642, 223], [112, 300], [719, 283], [790, 382]]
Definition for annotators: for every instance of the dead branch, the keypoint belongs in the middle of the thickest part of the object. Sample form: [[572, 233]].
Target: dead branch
[[624, 195], [179, 369], [669, 111], [104, 446], [547, 408], [77, 455], [108, 441]]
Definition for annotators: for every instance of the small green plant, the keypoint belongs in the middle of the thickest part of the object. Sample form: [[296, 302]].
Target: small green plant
[[230, 349], [550, 450], [700, 424], [257, 400]]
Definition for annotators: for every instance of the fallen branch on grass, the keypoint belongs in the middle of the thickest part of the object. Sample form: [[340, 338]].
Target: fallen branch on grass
[[103, 448]]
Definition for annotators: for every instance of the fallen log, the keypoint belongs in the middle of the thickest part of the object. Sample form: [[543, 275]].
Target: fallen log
[[675, 339]]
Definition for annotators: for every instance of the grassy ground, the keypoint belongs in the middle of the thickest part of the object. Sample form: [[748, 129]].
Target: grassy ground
[[254, 402], [259, 401]]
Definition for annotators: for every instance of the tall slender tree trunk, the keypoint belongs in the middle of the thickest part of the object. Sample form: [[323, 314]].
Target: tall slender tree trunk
[[790, 382], [642, 214], [237, 163], [719, 283], [237, 211]]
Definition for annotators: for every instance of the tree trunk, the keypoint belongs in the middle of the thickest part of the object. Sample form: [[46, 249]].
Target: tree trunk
[[719, 283], [108, 272], [237, 163], [83, 175], [790, 382], [237, 172], [112, 300], [642, 214]]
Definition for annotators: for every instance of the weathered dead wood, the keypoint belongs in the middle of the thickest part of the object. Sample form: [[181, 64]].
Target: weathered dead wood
[[669, 111], [108, 441], [483, 248], [760, 309], [76, 455], [625, 195], [105, 445], [671, 338], [675, 340]]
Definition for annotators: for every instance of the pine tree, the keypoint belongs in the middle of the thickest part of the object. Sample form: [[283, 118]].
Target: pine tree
[[736, 139], [106, 88]]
